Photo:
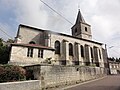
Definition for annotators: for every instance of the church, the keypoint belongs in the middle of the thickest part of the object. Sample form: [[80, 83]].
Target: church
[[36, 46]]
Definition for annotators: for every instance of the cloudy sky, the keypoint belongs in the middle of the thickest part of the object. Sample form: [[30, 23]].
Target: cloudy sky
[[102, 15]]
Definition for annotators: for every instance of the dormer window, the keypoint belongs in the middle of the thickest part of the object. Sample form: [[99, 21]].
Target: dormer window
[[86, 29]]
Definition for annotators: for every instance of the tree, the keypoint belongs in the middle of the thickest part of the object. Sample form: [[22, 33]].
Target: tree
[[4, 52], [119, 59], [1, 40], [114, 59], [10, 41]]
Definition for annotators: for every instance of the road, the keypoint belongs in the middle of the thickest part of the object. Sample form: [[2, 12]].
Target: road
[[108, 83]]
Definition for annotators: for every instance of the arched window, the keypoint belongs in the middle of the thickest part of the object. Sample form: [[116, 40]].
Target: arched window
[[91, 52], [57, 47], [82, 51], [86, 29], [96, 54], [32, 42], [70, 49], [100, 53]]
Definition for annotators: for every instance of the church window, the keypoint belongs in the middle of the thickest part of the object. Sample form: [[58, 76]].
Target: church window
[[40, 53], [86, 29], [100, 53], [91, 52], [82, 51], [70, 49], [30, 52], [57, 47]]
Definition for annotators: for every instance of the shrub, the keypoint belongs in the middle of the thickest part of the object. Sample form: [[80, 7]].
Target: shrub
[[29, 75], [10, 73]]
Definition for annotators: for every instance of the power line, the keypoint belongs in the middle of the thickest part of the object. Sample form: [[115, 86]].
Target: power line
[[56, 12], [116, 52], [6, 33], [109, 48]]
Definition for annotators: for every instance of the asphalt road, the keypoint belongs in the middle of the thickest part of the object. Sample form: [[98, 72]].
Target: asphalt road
[[109, 83]]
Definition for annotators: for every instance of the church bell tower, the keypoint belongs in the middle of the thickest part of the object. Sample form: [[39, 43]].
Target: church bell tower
[[81, 29]]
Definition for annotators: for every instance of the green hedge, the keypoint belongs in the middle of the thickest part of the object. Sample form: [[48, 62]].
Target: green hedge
[[9, 73]]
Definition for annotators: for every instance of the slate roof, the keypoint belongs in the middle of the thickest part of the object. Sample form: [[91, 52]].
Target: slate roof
[[80, 18]]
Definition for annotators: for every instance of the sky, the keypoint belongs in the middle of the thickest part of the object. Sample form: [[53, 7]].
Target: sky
[[102, 15]]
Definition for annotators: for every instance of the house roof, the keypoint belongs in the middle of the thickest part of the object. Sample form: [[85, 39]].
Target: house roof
[[26, 26], [32, 46], [113, 62]]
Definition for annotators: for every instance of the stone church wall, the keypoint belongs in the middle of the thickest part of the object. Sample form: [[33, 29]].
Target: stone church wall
[[19, 56], [64, 54], [48, 39], [27, 35]]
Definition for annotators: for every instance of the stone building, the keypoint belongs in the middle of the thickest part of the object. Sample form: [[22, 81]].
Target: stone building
[[114, 67], [36, 46]]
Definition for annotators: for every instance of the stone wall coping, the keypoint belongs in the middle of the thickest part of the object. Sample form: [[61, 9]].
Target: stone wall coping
[[16, 82]]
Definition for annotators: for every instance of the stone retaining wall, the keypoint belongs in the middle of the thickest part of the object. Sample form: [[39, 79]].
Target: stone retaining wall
[[56, 75], [52, 76]]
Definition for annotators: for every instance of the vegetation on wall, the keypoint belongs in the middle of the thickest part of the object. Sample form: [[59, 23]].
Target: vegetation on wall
[[9, 73]]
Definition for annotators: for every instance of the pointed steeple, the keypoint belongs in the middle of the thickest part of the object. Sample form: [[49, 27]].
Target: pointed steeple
[[81, 29], [79, 18]]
